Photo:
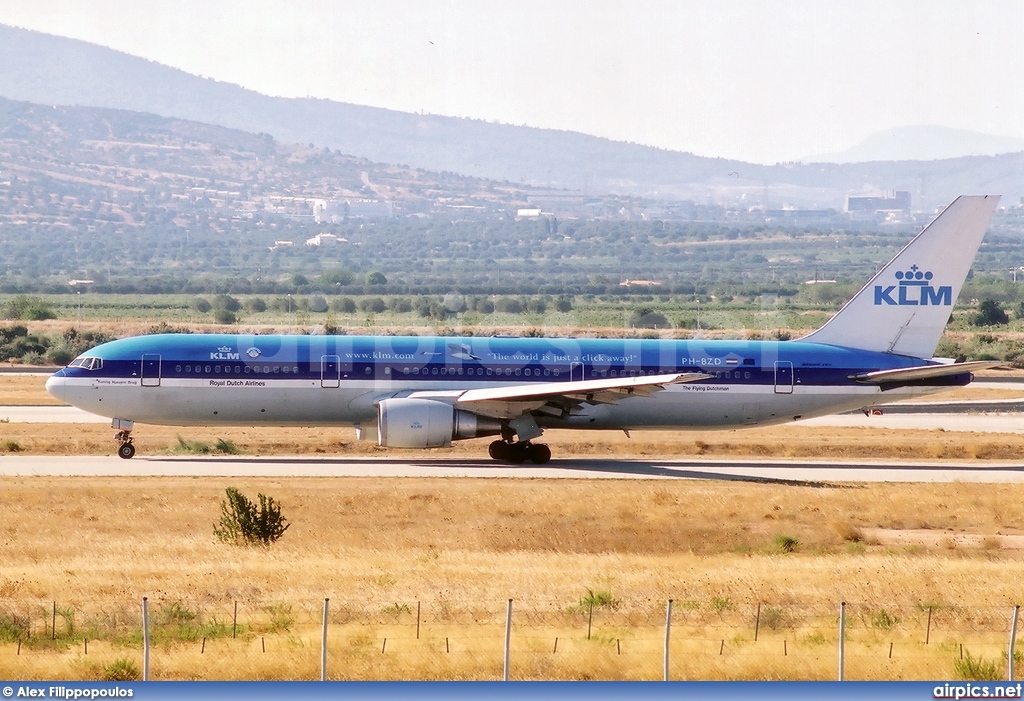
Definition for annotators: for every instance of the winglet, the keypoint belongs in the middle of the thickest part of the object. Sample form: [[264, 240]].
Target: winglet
[[905, 307]]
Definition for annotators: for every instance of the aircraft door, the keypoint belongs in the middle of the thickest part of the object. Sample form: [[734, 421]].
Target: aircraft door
[[576, 372], [783, 377], [150, 370], [330, 371]]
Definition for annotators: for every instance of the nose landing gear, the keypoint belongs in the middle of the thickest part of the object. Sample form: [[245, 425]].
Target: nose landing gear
[[125, 442]]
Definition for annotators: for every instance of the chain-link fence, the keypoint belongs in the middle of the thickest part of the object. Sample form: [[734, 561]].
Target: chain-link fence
[[598, 637]]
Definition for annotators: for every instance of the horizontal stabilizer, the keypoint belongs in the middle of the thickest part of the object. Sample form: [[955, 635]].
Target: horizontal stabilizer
[[922, 372]]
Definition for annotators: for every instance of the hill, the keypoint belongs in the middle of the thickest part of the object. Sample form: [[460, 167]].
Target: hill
[[57, 71]]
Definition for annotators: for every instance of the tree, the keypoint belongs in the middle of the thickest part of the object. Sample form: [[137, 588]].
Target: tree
[[990, 314], [375, 277]]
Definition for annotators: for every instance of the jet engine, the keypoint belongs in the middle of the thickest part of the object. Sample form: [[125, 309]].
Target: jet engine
[[428, 423]]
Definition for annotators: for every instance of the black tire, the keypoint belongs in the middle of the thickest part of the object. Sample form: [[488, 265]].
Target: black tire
[[498, 450], [517, 453], [540, 454], [126, 451]]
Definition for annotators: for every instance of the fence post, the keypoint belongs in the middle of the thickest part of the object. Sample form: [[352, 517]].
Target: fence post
[[668, 630], [417, 620], [508, 636], [323, 646], [1013, 640], [53, 623], [757, 622], [145, 639], [842, 638]]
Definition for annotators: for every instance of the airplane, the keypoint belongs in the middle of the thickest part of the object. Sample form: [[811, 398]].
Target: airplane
[[425, 392]]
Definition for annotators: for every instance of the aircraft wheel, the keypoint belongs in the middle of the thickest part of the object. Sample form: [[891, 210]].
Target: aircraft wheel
[[126, 451], [540, 454], [498, 450], [518, 453]]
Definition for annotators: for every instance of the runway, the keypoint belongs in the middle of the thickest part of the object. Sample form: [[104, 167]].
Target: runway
[[987, 417], [796, 473]]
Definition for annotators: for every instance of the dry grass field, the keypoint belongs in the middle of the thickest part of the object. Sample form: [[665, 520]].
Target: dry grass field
[[82, 552], [376, 547]]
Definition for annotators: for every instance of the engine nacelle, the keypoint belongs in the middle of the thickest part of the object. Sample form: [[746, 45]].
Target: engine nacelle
[[428, 423]]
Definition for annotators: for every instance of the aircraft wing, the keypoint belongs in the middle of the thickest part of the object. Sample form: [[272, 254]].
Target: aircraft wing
[[558, 398], [561, 398], [922, 372]]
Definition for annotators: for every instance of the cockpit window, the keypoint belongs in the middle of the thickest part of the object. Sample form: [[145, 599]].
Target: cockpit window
[[87, 363]]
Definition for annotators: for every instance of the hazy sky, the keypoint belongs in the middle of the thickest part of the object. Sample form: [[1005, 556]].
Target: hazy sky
[[757, 81]]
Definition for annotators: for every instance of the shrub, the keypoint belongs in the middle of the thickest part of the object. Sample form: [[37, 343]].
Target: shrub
[[121, 670], [27, 309], [224, 316], [990, 314], [649, 319], [786, 543], [975, 668], [242, 521], [256, 305], [201, 305]]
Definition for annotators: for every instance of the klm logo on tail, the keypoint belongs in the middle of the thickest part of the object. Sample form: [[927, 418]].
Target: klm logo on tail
[[912, 289]]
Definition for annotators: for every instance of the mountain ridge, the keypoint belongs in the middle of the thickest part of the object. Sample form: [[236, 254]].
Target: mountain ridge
[[46, 69]]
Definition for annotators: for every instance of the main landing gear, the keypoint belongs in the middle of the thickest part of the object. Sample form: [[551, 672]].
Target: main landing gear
[[519, 452]]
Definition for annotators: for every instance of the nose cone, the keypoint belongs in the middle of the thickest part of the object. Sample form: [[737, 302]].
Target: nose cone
[[56, 385]]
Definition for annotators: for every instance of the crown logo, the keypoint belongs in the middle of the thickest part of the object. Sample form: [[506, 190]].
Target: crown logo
[[914, 277], [224, 349]]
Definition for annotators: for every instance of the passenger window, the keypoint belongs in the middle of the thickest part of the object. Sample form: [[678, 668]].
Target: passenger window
[[247, 369], [286, 369], [547, 372], [387, 370], [177, 368], [519, 372], [188, 368], [365, 372], [746, 375], [434, 371], [277, 369], [208, 369]]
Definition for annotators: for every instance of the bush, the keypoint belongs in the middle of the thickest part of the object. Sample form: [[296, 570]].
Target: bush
[[243, 522], [201, 305], [121, 670], [975, 668], [345, 305], [226, 302], [649, 319], [27, 309], [990, 314], [224, 316], [256, 305], [786, 543]]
